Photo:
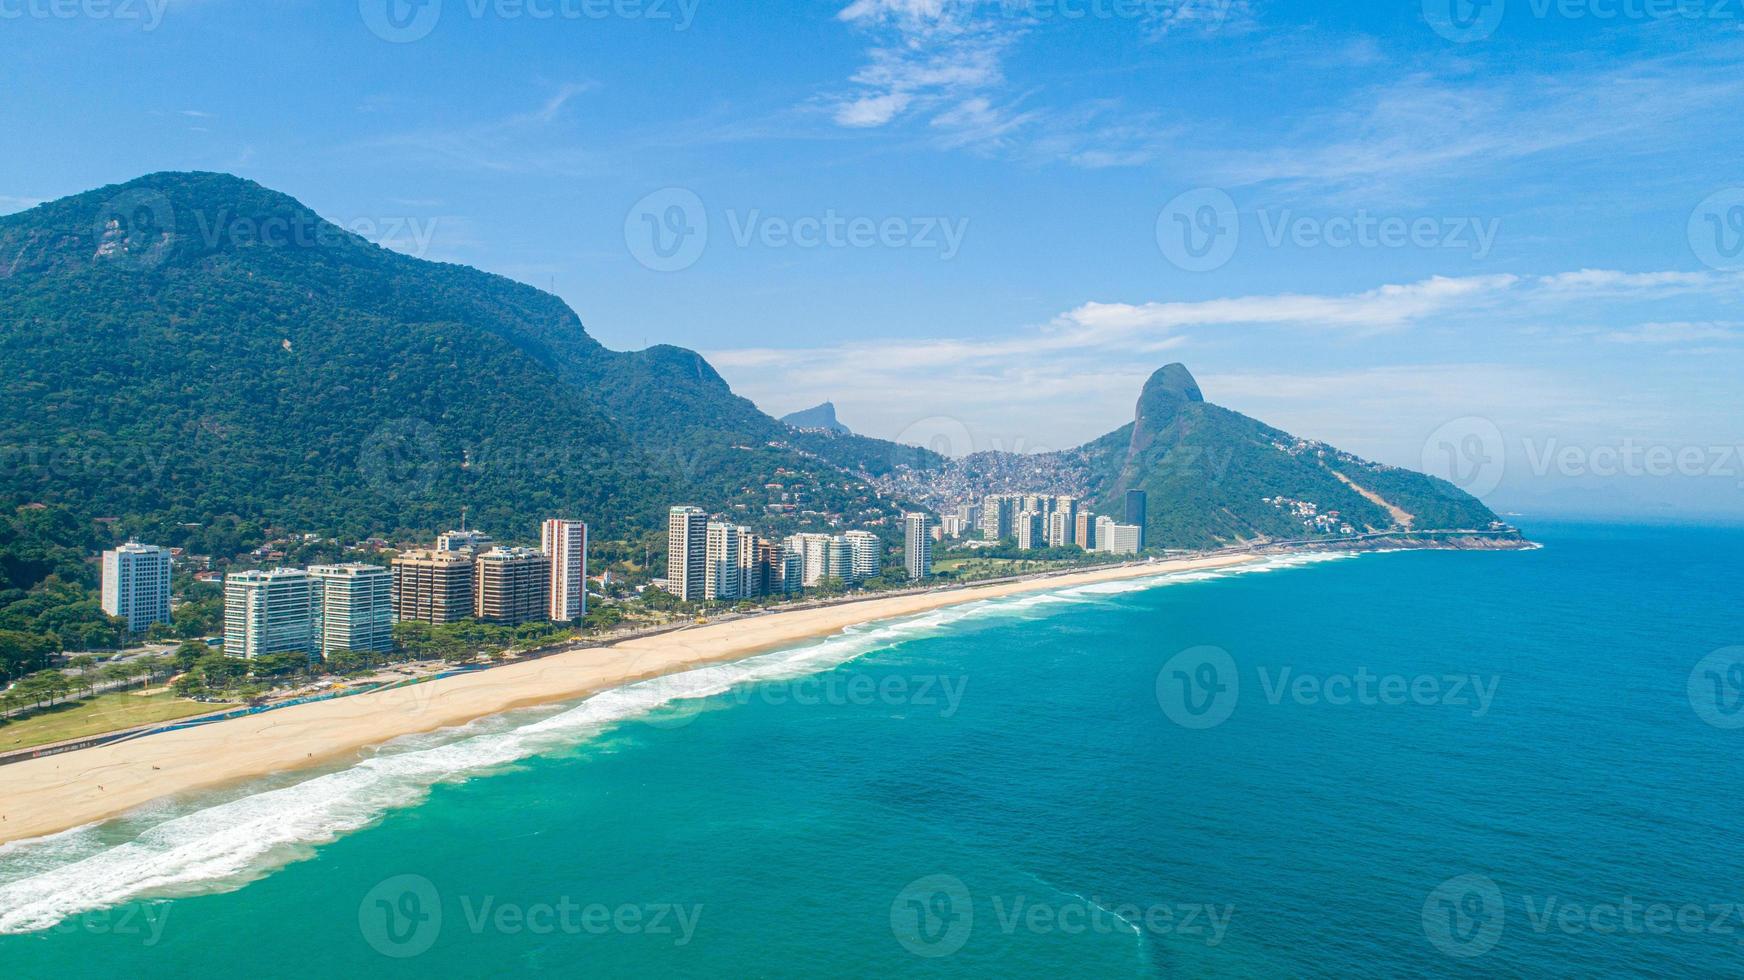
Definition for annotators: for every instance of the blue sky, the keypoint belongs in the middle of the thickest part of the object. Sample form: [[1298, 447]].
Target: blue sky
[[1500, 242]]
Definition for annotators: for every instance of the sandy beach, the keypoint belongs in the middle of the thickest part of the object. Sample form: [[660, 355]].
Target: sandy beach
[[56, 793]]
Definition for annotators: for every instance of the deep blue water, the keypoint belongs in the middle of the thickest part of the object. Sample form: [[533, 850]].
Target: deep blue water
[[1006, 791]]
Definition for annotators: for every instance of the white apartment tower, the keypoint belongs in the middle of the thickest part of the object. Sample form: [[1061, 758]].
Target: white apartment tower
[[721, 575], [917, 545], [136, 585], [687, 553], [565, 543], [354, 608], [269, 612], [867, 554]]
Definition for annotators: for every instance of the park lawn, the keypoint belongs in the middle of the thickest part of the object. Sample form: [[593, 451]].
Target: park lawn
[[94, 716]]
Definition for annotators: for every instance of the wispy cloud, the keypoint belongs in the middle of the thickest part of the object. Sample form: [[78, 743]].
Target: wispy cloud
[[1060, 383], [942, 62], [520, 143]]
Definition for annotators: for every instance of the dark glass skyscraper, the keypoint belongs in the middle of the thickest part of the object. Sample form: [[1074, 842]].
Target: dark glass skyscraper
[[1136, 509]]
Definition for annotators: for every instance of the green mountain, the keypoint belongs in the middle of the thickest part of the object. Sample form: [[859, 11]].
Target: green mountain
[[193, 348], [1214, 476]]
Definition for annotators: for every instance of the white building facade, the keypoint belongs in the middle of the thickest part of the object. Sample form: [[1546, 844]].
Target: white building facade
[[565, 543], [136, 585]]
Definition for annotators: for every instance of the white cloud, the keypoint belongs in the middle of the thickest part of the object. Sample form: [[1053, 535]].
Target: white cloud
[[1061, 383]]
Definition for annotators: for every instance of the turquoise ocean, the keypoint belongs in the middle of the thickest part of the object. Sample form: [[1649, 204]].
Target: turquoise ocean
[[1380, 765]]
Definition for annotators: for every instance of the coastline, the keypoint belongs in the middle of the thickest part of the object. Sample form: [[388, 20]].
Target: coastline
[[61, 792]]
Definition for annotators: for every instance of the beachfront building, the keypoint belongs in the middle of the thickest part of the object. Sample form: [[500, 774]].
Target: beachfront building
[[792, 575], [512, 586], [814, 553], [433, 587], [565, 543], [866, 555], [1084, 531], [687, 553], [270, 612], [1060, 528], [1031, 530], [917, 545], [1138, 514], [750, 578], [1118, 539], [721, 577], [354, 608], [136, 585]]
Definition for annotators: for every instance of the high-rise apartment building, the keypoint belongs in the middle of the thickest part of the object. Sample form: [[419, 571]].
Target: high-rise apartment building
[[512, 586], [917, 545], [565, 543], [1031, 530], [867, 555], [721, 577], [1084, 531], [136, 585], [687, 553], [750, 581], [270, 612], [354, 608], [433, 587]]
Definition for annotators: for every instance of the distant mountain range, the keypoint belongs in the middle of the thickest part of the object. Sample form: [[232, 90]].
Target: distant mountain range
[[191, 348], [821, 418]]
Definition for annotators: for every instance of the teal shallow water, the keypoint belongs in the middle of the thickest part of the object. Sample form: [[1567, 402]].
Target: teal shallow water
[[1476, 764]]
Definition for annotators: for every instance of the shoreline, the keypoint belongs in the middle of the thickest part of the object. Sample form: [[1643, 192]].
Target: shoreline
[[61, 792]]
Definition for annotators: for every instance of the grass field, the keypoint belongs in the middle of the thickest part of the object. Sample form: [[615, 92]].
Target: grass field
[[94, 716]]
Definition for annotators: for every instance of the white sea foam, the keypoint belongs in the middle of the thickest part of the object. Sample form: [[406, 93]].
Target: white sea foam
[[221, 843]]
